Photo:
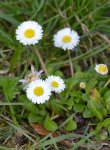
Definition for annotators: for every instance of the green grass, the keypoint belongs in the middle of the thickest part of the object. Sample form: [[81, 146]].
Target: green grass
[[91, 19]]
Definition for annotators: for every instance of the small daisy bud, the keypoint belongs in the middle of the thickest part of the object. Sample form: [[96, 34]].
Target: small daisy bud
[[82, 85]]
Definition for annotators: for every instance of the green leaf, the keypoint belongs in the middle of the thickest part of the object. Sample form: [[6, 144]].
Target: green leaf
[[10, 88], [95, 109], [49, 124], [105, 123], [71, 125], [76, 94], [15, 57], [43, 112], [78, 107], [70, 103], [33, 117], [56, 106], [102, 90], [58, 73], [90, 85], [107, 100], [103, 135], [86, 97], [9, 18], [28, 105], [50, 69], [95, 95], [87, 113], [70, 83], [6, 38]]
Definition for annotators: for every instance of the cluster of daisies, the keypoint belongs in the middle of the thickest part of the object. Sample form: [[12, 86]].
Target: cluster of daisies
[[30, 32], [38, 90]]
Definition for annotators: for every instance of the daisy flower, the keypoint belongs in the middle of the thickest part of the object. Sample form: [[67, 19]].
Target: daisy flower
[[56, 83], [82, 85], [29, 32], [66, 39], [101, 69], [38, 91]]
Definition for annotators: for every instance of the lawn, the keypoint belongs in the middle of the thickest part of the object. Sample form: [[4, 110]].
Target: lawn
[[54, 74]]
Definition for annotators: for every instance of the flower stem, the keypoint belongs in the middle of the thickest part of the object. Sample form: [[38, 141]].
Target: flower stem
[[71, 65], [41, 61], [107, 83]]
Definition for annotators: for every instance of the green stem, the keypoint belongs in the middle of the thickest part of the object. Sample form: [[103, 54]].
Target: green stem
[[13, 116], [107, 83], [41, 61], [86, 55], [71, 64]]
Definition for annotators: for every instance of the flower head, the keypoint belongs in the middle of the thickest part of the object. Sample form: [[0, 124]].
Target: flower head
[[38, 91], [101, 69], [34, 75], [56, 83], [66, 39], [29, 32], [82, 85]]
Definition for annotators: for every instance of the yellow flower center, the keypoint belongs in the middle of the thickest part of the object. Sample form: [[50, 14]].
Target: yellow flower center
[[38, 91], [55, 84], [29, 33], [103, 69], [66, 39]]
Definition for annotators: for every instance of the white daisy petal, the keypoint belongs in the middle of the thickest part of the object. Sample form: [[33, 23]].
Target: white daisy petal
[[29, 32], [101, 69], [66, 39], [38, 91], [56, 83]]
